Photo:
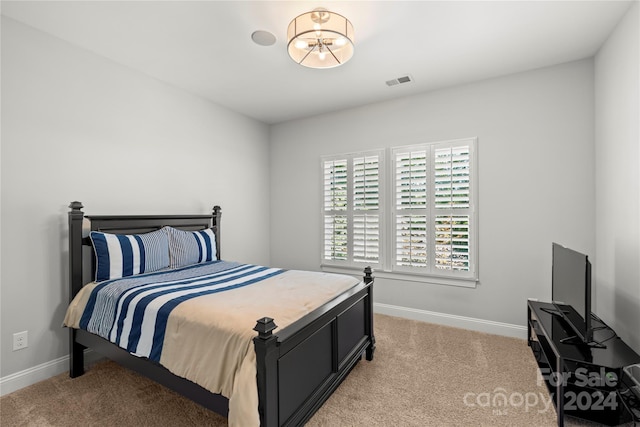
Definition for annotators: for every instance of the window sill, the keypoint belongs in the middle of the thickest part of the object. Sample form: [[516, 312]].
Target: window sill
[[433, 280]]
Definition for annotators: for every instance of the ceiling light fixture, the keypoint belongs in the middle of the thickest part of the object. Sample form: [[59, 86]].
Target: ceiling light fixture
[[320, 39]]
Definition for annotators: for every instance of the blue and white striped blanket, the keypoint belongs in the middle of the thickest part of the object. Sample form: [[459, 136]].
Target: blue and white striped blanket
[[132, 312]]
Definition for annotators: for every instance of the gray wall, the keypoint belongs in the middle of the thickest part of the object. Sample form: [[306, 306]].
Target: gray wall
[[617, 144], [76, 126], [536, 181]]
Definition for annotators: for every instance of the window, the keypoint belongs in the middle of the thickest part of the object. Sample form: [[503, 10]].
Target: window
[[432, 208], [351, 208], [430, 229]]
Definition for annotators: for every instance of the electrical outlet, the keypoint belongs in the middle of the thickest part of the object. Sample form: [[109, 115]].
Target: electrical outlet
[[20, 340]]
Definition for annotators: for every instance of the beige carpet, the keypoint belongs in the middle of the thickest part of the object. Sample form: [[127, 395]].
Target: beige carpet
[[422, 375]]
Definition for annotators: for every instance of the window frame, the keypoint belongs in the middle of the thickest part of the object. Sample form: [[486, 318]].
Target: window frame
[[350, 211], [386, 267]]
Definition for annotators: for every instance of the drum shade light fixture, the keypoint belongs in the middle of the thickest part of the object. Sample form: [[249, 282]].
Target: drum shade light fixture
[[320, 39]]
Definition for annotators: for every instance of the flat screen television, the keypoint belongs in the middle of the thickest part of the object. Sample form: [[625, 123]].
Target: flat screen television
[[571, 290]]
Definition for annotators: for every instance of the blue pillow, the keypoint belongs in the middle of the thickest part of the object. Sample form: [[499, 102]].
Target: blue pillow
[[122, 255], [190, 247]]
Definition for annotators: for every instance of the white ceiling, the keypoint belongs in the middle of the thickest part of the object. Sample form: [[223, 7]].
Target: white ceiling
[[205, 47]]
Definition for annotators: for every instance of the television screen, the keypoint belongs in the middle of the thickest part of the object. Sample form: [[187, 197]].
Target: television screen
[[571, 289]]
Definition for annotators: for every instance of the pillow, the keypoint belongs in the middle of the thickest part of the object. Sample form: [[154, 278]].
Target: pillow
[[190, 247], [121, 255]]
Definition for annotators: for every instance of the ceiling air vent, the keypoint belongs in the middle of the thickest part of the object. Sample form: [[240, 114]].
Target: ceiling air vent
[[399, 80]]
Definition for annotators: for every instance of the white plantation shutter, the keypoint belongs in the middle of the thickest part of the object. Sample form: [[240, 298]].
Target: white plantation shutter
[[335, 185], [426, 228], [366, 205], [366, 183], [335, 208], [351, 208], [451, 166], [411, 226], [434, 209], [411, 240], [411, 179], [366, 238], [335, 237], [452, 195], [452, 242]]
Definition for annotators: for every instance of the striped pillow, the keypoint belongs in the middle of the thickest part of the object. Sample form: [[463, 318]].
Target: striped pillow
[[190, 247], [121, 255]]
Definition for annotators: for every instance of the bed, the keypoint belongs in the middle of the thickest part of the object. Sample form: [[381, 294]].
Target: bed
[[294, 367]]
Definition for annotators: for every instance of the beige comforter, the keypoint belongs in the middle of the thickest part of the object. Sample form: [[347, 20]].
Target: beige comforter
[[209, 339]]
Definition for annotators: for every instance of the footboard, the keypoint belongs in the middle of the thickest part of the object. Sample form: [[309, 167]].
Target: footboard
[[301, 365]]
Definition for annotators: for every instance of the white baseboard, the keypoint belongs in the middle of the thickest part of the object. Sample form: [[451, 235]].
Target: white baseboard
[[463, 322], [41, 372]]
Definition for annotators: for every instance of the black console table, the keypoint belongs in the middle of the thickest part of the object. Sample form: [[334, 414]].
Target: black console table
[[584, 381]]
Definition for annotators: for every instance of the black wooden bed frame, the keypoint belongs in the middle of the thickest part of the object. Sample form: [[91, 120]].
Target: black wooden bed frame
[[298, 367]]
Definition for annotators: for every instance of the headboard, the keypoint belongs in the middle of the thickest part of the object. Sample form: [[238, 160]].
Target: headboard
[[126, 224]]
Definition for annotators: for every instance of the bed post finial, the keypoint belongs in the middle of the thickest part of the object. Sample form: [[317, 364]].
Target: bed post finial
[[76, 206], [264, 327], [368, 275]]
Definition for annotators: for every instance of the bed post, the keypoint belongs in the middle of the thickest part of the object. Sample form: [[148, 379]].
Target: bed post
[[368, 279], [76, 216], [217, 216], [267, 367]]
